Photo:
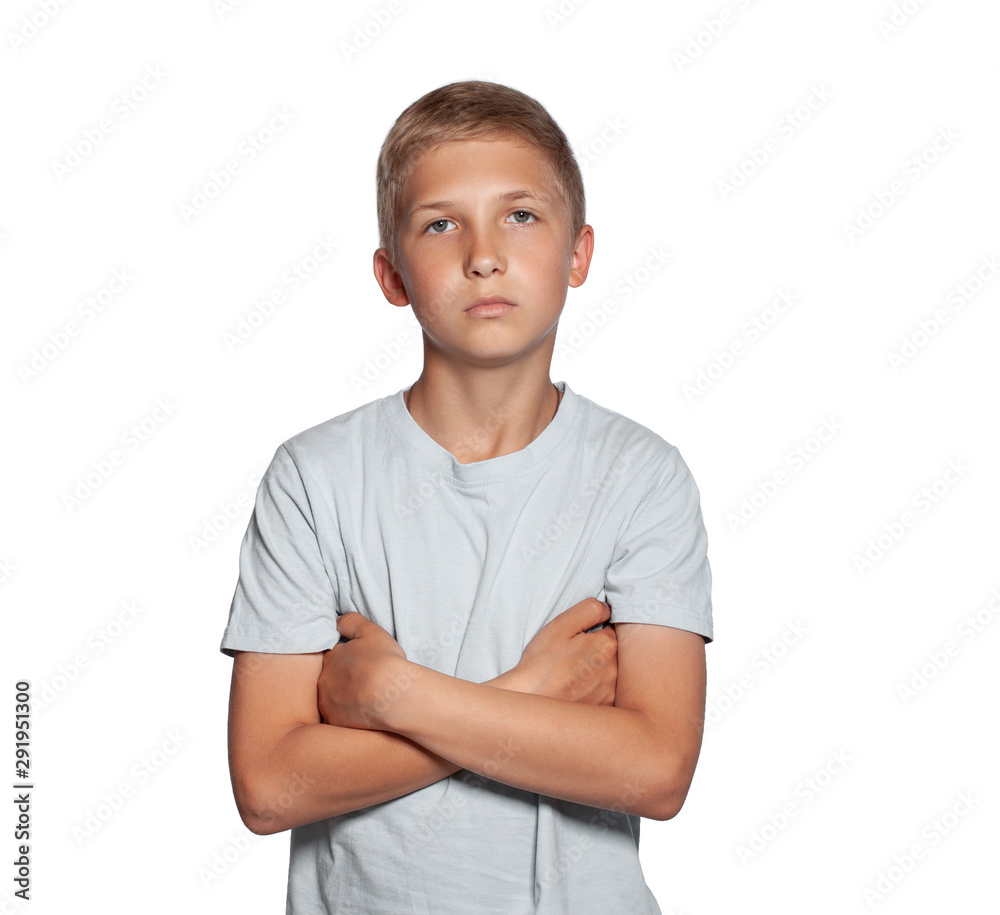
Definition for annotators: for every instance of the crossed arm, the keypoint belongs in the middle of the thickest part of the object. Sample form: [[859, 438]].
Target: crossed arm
[[611, 719]]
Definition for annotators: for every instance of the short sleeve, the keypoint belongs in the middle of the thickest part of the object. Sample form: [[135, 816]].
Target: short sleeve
[[285, 601], [660, 572]]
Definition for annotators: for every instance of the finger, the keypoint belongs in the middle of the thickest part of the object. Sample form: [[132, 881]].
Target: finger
[[580, 617], [351, 625], [589, 613]]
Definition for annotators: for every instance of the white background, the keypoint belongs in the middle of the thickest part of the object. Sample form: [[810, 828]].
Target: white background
[[143, 704]]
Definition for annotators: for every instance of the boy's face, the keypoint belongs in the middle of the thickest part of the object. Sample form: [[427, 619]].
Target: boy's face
[[484, 218]]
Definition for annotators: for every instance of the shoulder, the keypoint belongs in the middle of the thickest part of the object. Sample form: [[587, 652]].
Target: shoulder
[[643, 451], [336, 444], [335, 436]]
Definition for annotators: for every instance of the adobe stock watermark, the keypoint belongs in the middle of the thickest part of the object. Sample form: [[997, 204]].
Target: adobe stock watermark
[[712, 29], [559, 872], [429, 653], [582, 332], [31, 26], [225, 515], [913, 344], [8, 568], [894, 530], [898, 17], [914, 167], [363, 35], [95, 645], [247, 151], [555, 16], [292, 280], [113, 801], [106, 466], [429, 486], [432, 482], [761, 664], [455, 802], [252, 660], [597, 146], [61, 338], [786, 126], [224, 8], [376, 364], [572, 514], [939, 659], [653, 609], [389, 351], [93, 136], [751, 331], [223, 859], [10, 904], [805, 792], [399, 683], [932, 835], [795, 461], [602, 819]]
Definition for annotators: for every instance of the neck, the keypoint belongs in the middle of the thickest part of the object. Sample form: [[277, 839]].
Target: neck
[[479, 419]]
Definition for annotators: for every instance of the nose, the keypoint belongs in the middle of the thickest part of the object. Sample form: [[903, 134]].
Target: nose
[[485, 253]]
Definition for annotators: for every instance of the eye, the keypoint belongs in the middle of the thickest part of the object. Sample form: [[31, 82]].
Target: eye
[[523, 217], [438, 226]]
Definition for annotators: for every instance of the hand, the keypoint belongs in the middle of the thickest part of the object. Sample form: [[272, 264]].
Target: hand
[[362, 676], [565, 661]]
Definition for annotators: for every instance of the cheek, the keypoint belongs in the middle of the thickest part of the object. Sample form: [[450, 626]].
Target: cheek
[[541, 254], [433, 290], [546, 270], [424, 273]]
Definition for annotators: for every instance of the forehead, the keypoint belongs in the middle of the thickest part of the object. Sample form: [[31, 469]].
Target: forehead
[[463, 170]]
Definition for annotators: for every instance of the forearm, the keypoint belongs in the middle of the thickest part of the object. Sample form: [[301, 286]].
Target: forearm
[[321, 770], [601, 756]]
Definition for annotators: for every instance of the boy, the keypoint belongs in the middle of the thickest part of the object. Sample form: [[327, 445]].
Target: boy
[[477, 742]]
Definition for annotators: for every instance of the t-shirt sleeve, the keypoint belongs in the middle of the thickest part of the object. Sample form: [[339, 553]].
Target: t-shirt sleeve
[[285, 600], [660, 572]]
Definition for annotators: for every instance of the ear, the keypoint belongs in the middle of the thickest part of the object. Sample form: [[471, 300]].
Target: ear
[[583, 251], [389, 280]]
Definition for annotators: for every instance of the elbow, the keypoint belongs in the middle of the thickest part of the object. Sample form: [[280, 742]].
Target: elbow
[[263, 827], [668, 789], [260, 825], [253, 824], [664, 807], [255, 808]]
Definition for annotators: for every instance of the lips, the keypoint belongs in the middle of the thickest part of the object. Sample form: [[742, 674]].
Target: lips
[[490, 307], [490, 300]]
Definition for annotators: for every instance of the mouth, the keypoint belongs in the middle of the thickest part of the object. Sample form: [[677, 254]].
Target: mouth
[[490, 306]]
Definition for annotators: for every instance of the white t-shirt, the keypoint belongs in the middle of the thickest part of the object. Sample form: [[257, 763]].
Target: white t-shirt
[[462, 564]]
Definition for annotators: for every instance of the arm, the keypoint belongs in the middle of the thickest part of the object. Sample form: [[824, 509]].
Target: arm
[[289, 768], [637, 756]]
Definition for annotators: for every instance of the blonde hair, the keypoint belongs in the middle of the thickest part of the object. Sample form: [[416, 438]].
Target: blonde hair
[[473, 109]]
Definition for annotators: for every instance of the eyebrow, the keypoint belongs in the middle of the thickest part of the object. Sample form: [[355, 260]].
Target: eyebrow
[[509, 197]]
